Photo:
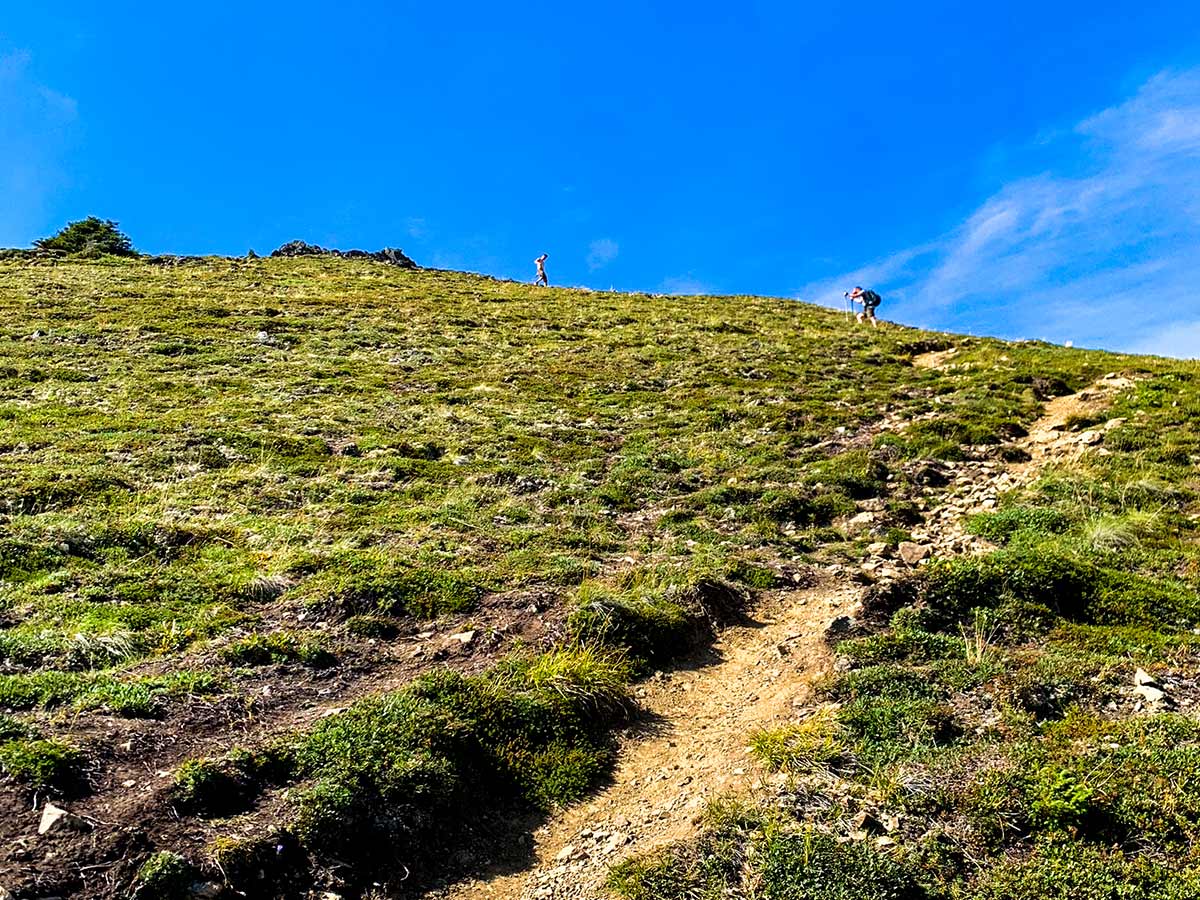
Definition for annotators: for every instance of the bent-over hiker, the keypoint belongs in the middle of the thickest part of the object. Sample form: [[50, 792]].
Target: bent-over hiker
[[541, 270], [869, 300]]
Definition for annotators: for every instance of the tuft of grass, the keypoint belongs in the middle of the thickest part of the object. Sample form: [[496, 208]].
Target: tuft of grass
[[165, 876], [813, 745], [260, 649], [45, 765]]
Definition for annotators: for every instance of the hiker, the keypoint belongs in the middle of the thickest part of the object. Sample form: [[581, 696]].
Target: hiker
[[541, 264], [869, 300]]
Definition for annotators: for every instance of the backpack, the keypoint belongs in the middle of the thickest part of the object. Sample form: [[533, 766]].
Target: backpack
[[871, 299]]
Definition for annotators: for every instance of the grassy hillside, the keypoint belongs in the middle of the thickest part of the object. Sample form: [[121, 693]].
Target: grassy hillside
[[300, 559]]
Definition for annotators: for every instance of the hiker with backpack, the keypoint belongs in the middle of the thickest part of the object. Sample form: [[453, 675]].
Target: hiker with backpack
[[869, 300]]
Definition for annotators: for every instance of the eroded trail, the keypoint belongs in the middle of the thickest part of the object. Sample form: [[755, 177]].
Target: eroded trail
[[691, 750], [694, 747]]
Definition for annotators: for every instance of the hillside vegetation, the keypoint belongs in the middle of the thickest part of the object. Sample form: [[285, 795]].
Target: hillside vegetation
[[326, 575]]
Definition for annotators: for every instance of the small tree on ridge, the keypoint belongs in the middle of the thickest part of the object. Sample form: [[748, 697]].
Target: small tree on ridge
[[90, 236]]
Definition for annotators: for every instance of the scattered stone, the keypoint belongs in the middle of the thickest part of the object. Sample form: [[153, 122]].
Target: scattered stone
[[1088, 438], [913, 553], [1141, 678], [464, 637], [839, 626], [57, 817]]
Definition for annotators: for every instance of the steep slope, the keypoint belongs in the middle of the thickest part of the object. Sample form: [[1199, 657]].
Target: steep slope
[[323, 575]]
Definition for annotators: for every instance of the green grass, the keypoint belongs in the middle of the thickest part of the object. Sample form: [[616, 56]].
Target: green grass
[[429, 445], [38, 763]]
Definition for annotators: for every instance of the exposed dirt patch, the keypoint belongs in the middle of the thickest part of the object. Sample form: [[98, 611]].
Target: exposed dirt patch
[[934, 359], [688, 750], [127, 810]]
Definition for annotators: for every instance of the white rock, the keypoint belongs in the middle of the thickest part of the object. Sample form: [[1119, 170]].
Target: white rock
[[51, 816]]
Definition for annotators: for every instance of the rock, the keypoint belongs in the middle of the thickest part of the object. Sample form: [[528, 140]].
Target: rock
[[839, 627], [565, 853], [913, 553], [393, 256], [1146, 687], [262, 338], [877, 549], [615, 843], [1114, 423], [464, 637], [1141, 677], [1088, 438], [1151, 694], [866, 822], [57, 817]]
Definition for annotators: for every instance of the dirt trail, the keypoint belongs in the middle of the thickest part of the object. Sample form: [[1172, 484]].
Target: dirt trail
[[692, 750], [758, 674]]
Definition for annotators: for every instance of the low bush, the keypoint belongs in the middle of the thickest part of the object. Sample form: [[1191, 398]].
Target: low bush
[[165, 876], [279, 647], [45, 765]]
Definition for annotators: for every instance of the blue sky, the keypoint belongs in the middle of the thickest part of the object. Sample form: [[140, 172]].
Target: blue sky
[[1022, 169]]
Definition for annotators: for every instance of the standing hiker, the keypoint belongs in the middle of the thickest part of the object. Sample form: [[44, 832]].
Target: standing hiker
[[869, 300], [541, 266]]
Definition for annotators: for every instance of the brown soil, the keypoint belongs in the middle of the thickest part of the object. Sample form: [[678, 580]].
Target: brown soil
[[693, 750], [126, 810]]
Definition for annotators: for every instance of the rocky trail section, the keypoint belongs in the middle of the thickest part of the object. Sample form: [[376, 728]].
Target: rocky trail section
[[759, 673]]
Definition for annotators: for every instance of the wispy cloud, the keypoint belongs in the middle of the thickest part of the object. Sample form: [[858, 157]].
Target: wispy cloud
[[601, 252], [683, 285], [415, 227], [1104, 249], [35, 126]]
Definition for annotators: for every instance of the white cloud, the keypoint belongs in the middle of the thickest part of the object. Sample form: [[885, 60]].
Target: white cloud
[[601, 252], [1180, 340], [415, 227], [35, 129], [683, 285], [1106, 258]]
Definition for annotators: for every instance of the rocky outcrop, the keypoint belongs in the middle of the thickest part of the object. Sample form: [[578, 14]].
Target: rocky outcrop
[[393, 256]]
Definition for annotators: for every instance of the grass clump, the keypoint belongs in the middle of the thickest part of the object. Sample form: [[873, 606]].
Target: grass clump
[[813, 745], [1002, 526], [740, 852], [260, 649], [374, 582], [390, 777], [42, 764], [165, 876], [657, 614]]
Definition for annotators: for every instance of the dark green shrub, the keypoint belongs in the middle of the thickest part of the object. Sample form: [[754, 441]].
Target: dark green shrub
[[165, 876], [279, 647], [913, 645], [810, 865], [1000, 526], [210, 788], [43, 764], [855, 473], [89, 237], [368, 625], [371, 582], [1061, 869]]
